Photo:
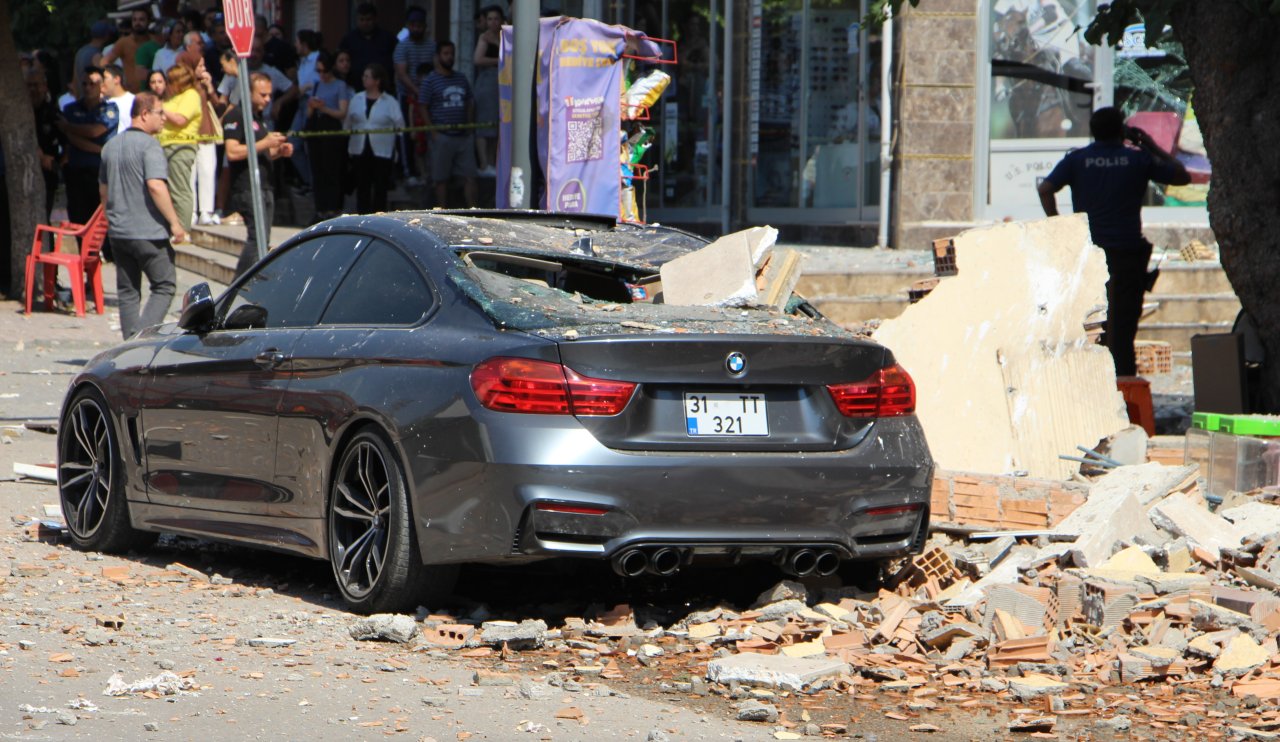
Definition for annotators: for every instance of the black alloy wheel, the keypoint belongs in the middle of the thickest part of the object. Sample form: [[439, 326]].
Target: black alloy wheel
[[91, 477], [372, 546]]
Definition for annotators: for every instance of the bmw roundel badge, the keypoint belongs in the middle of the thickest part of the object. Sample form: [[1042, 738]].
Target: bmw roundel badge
[[735, 363]]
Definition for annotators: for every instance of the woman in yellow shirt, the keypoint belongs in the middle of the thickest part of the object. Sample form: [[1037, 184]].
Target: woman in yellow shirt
[[179, 138]]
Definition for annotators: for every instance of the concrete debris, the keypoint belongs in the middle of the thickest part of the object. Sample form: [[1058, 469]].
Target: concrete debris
[[784, 590], [524, 635], [388, 627], [267, 642], [773, 671], [1007, 337], [737, 270], [757, 711], [1180, 515], [1034, 685], [164, 684], [1254, 519]]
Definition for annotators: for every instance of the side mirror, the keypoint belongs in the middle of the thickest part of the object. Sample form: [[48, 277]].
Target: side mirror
[[197, 308]]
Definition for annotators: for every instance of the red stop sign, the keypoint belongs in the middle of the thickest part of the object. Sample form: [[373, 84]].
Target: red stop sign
[[238, 15]]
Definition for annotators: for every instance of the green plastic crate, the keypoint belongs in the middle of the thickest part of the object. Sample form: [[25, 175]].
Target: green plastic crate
[[1267, 426], [1206, 421]]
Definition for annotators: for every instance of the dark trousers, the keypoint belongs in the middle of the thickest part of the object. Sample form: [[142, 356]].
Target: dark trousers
[[328, 161], [50, 188], [134, 259], [243, 203], [373, 179], [83, 199], [407, 146], [82, 192], [1125, 290]]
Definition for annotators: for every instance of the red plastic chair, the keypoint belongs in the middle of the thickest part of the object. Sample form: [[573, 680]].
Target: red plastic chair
[[87, 262]]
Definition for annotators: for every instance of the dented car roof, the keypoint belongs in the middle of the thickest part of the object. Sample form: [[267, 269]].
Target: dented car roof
[[642, 246]]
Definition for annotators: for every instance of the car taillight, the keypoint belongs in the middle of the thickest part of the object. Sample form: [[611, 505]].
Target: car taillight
[[546, 388], [889, 392]]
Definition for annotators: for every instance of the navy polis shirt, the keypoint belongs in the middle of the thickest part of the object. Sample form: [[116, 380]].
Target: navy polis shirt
[[104, 113], [1108, 182]]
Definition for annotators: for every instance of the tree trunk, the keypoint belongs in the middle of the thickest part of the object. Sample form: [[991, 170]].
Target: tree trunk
[[21, 158], [1233, 55]]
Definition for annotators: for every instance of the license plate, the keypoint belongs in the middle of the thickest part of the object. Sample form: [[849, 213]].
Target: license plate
[[722, 413]]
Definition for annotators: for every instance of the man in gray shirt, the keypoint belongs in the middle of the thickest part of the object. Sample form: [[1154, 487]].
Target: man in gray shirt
[[134, 184]]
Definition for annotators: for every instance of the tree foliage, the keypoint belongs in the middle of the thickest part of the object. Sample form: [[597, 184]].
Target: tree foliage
[[58, 26]]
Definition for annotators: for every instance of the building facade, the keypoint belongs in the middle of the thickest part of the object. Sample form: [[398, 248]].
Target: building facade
[[774, 111]]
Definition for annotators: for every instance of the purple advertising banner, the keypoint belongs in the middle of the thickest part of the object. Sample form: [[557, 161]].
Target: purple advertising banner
[[577, 114], [584, 91], [542, 96], [506, 58]]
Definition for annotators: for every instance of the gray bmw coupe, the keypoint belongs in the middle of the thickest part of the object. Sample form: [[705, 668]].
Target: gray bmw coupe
[[402, 393]]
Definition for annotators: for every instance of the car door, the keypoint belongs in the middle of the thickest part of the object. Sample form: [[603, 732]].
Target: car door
[[211, 412], [366, 356]]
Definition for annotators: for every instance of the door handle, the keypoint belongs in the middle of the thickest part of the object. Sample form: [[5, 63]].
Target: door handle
[[269, 359]]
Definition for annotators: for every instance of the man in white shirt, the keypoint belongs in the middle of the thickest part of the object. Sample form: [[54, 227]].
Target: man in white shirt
[[168, 55], [113, 90]]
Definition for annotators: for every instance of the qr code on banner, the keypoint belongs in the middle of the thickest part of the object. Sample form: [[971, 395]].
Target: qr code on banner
[[586, 140]]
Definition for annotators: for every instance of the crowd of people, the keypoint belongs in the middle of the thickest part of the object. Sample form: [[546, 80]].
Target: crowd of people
[[321, 98], [150, 126]]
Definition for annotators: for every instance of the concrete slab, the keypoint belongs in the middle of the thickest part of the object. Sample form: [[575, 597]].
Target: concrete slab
[[773, 671], [1181, 516], [1254, 519]]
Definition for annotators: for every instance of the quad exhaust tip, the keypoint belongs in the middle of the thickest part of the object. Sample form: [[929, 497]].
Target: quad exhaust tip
[[665, 561], [631, 563], [805, 562]]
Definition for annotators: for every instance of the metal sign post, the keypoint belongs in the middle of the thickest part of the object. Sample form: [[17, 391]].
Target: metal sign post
[[240, 26], [260, 227]]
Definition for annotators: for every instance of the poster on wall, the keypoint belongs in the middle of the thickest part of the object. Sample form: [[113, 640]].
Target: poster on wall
[[1041, 68]]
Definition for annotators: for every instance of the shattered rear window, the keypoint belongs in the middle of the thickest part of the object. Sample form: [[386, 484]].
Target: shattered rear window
[[526, 301]]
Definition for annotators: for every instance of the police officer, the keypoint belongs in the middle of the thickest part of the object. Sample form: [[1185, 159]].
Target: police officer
[[1108, 182]]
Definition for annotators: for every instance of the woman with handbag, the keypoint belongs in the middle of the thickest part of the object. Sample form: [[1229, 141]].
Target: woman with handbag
[[181, 133], [326, 110], [371, 154]]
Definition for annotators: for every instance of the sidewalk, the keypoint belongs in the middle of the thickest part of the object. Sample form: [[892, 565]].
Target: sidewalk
[[40, 353]]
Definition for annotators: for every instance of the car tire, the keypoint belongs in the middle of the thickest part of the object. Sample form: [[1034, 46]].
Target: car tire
[[373, 548], [91, 478]]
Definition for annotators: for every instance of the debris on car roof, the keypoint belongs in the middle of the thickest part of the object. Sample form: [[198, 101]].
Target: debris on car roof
[[529, 306], [564, 278], [737, 270], [641, 246]]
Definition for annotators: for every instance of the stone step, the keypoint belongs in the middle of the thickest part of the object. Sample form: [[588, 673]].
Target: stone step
[[214, 265], [1183, 308], [859, 284], [1178, 334], [1175, 278], [219, 238], [1204, 277]]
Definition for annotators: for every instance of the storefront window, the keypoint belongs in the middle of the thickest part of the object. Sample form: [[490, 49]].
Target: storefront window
[[685, 122], [1153, 89], [1041, 68], [1042, 80], [810, 130]]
